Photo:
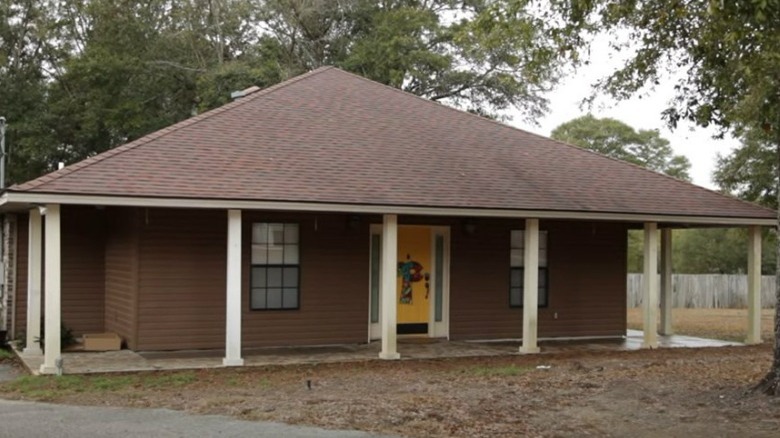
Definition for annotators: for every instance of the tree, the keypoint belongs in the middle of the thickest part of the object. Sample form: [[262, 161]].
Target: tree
[[483, 55], [731, 53], [23, 55], [616, 139], [105, 72], [749, 171]]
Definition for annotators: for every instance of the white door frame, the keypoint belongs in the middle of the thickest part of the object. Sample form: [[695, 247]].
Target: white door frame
[[439, 329]]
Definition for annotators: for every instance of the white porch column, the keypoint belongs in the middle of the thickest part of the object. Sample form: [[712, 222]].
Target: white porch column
[[387, 291], [233, 296], [530, 287], [34, 252], [650, 286], [51, 349], [666, 282], [754, 286]]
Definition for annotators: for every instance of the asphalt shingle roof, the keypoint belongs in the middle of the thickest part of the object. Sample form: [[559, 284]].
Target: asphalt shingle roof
[[333, 137]]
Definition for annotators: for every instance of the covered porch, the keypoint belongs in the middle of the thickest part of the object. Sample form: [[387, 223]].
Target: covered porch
[[74, 362], [231, 297]]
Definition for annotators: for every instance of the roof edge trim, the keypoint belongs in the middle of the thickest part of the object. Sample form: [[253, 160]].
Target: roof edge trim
[[12, 198]]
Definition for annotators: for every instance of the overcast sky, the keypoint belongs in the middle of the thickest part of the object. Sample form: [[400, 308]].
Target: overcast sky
[[695, 143]]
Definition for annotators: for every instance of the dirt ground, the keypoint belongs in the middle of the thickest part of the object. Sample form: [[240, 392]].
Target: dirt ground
[[668, 392]]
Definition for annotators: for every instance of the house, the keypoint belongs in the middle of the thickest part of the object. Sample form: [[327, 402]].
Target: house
[[331, 209]]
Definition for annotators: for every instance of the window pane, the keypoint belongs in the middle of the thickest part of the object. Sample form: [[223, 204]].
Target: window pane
[[258, 277], [290, 254], [517, 239], [290, 298], [275, 255], [542, 257], [290, 277], [290, 233], [516, 279], [516, 258], [542, 297], [259, 254], [258, 298], [438, 276], [276, 233], [542, 278], [515, 296], [274, 299], [274, 277], [543, 239], [259, 233]]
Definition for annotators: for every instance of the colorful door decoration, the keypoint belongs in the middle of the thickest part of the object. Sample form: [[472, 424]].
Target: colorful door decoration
[[414, 266]]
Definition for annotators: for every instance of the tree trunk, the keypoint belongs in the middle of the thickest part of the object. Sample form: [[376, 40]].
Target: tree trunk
[[770, 384]]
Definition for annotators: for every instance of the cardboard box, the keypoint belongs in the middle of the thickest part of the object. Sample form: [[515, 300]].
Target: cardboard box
[[102, 342]]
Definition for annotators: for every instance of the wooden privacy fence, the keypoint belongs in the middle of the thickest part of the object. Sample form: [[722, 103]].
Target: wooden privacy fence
[[706, 291]]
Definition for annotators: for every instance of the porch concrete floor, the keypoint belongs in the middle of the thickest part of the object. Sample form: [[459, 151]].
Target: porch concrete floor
[[75, 362]]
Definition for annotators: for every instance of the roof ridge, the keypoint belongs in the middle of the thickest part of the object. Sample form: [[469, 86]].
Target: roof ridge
[[485, 119], [75, 167]]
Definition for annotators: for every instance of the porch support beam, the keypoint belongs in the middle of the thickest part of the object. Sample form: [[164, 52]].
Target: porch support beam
[[52, 361], [387, 292], [650, 286], [233, 291], [34, 254], [666, 282], [530, 287], [754, 286]]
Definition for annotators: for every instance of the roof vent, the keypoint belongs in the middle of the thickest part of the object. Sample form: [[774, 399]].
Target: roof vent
[[246, 92]]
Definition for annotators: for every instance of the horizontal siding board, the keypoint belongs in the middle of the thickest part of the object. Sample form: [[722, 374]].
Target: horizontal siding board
[[82, 270], [121, 274], [182, 282], [586, 273], [22, 251]]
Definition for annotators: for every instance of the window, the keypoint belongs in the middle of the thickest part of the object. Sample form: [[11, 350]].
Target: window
[[275, 267], [516, 264]]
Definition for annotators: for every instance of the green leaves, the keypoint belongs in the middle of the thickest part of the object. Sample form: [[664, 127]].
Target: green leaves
[[615, 139], [92, 75], [750, 170]]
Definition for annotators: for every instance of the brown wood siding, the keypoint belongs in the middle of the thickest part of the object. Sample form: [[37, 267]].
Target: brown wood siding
[[121, 287], [83, 280], [587, 281], [181, 279], [334, 263], [82, 270], [182, 282], [23, 224]]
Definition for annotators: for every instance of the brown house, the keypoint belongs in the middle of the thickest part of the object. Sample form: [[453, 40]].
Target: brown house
[[332, 209]]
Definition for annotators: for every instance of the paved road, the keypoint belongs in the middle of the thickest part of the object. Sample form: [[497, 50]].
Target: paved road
[[28, 419]]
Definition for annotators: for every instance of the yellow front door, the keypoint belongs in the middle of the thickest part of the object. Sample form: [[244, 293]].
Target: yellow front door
[[414, 274]]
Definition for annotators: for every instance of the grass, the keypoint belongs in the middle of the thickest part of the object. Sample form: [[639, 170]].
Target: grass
[[6, 354], [725, 324], [51, 387]]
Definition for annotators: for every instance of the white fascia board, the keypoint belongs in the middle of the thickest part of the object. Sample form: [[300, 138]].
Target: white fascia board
[[226, 204]]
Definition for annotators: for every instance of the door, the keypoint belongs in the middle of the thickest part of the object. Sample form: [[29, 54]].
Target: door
[[413, 284], [422, 281]]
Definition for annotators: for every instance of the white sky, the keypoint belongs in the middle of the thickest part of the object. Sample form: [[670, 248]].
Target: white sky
[[641, 113]]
